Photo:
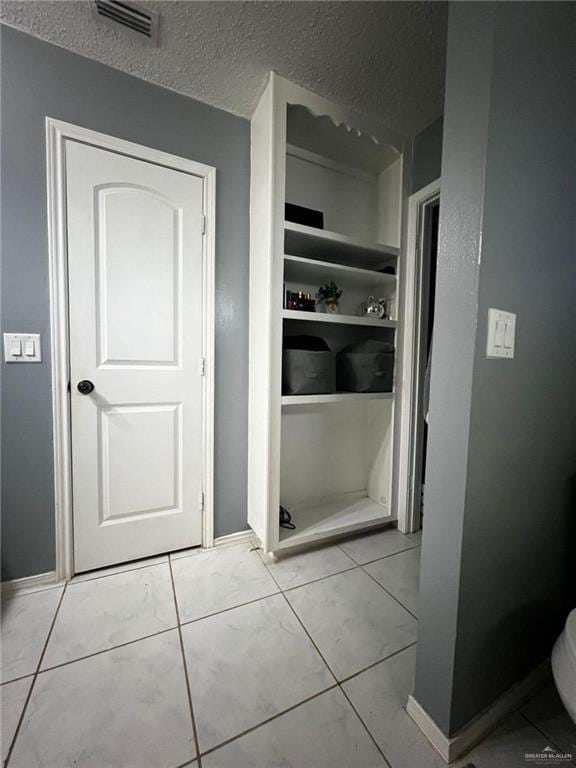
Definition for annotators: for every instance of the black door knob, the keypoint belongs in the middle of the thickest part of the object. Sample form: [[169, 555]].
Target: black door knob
[[85, 387]]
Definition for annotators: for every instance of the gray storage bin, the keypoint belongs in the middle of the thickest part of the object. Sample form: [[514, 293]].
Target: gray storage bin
[[367, 366], [307, 371]]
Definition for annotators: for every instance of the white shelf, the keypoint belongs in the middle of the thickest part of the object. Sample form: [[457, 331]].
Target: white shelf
[[341, 514], [321, 317], [335, 397], [312, 243], [297, 268]]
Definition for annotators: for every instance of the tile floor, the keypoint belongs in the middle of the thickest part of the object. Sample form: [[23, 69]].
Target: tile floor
[[230, 659]]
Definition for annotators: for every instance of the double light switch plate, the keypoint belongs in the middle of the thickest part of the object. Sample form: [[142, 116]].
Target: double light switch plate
[[22, 348], [501, 334]]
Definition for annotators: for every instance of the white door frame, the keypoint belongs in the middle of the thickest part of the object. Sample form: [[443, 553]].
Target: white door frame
[[57, 133], [408, 509]]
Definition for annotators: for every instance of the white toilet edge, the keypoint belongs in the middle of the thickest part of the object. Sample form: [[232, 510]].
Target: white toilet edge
[[564, 667]]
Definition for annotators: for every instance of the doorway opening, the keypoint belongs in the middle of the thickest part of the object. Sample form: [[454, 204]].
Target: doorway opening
[[420, 297], [431, 218]]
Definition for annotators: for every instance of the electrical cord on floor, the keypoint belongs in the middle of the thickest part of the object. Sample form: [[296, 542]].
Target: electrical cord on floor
[[286, 519]]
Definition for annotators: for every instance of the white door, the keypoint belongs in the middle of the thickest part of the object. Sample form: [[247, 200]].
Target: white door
[[135, 310]]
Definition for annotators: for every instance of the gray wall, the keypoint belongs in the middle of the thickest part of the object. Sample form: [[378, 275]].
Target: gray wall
[[500, 509], [465, 129], [40, 80], [427, 162]]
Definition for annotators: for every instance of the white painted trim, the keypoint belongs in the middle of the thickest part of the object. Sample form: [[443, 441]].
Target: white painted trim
[[405, 181], [290, 93], [57, 133], [209, 299], [408, 510], [29, 584], [452, 748], [235, 538], [435, 736]]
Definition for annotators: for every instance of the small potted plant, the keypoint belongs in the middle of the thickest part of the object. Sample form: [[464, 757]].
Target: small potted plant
[[330, 294]]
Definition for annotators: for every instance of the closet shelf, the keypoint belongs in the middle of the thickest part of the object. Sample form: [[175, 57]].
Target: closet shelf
[[342, 514], [297, 268], [321, 317], [335, 397], [312, 243]]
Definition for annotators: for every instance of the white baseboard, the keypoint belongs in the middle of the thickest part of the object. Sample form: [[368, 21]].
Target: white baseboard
[[235, 538], [435, 736], [454, 747], [29, 584]]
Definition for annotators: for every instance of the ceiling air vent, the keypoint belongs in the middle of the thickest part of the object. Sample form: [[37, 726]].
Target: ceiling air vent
[[135, 18]]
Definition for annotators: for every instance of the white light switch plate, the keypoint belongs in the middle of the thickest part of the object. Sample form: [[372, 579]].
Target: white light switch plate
[[22, 348], [501, 334]]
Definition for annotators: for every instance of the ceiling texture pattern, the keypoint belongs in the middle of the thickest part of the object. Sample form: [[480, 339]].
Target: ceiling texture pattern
[[385, 59]]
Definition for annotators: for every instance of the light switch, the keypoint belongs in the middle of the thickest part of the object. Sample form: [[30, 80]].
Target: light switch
[[508, 334], [501, 334], [22, 348]]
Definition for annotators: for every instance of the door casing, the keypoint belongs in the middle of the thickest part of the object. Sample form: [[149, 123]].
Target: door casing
[[410, 431], [57, 133]]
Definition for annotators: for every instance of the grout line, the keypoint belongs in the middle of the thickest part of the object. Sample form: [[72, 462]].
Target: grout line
[[384, 557], [16, 679], [137, 639], [394, 554], [7, 595], [232, 608], [349, 700], [320, 578], [338, 683], [186, 674], [75, 580], [376, 663], [390, 594], [304, 628], [271, 719], [181, 554], [107, 650], [518, 711], [36, 673]]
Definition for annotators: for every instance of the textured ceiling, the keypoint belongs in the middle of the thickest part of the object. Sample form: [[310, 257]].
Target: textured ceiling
[[385, 59]]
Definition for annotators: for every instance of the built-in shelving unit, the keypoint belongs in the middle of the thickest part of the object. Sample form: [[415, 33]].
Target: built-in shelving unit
[[327, 458]]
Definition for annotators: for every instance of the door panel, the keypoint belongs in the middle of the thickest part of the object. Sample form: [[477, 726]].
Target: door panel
[[134, 441], [134, 252], [139, 264]]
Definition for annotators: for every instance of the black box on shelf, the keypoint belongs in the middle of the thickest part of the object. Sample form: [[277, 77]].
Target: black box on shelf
[[298, 214], [367, 366], [307, 366]]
